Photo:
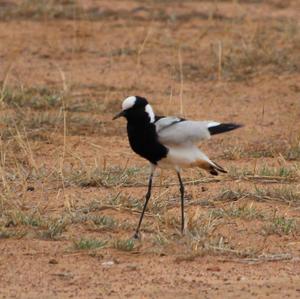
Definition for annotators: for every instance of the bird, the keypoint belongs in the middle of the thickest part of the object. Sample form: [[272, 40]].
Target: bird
[[168, 142]]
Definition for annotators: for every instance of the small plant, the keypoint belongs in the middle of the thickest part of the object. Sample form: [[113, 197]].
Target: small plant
[[283, 194], [35, 98], [265, 171], [127, 225], [231, 195], [263, 153], [96, 176], [54, 229], [5, 234], [87, 244], [105, 222], [30, 220], [281, 226], [239, 173], [160, 240], [293, 153], [247, 212], [124, 245], [124, 201], [20, 218], [281, 172], [233, 153], [201, 241]]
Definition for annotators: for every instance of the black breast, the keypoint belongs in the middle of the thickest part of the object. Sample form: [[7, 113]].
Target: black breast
[[143, 140]]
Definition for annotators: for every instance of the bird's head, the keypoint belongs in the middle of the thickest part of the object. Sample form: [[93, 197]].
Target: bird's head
[[136, 108]]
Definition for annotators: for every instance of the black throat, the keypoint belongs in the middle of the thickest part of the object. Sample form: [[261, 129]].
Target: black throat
[[143, 138]]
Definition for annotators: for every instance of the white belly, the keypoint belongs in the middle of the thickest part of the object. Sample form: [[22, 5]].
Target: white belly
[[183, 157]]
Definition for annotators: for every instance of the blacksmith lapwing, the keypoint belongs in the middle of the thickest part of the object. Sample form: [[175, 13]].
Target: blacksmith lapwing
[[169, 142]]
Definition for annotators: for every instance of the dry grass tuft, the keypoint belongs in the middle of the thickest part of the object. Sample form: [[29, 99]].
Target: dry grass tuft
[[39, 98], [268, 50], [98, 177], [288, 195], [246, 211]]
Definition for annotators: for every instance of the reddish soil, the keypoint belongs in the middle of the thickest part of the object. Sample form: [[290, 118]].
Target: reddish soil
[[234, 61]]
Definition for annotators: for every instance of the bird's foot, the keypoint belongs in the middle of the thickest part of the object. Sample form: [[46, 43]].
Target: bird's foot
[[136, 236]]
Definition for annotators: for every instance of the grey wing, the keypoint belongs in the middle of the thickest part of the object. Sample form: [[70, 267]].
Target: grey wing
[[175, 131], [165, 122]]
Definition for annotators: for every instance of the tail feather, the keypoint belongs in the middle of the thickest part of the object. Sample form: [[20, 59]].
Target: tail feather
[[215, 168], [224, 127], [210, 166]]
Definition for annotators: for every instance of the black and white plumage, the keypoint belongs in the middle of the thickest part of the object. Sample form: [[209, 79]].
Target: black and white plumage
[[169, 142]]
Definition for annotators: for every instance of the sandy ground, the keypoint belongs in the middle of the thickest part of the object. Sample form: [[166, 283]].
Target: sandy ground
[[71, 188]]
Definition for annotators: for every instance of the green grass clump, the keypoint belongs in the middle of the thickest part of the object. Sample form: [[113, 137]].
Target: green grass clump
[[281, 171], [16, 218], [124, 245], [281, 226], [87, 244]]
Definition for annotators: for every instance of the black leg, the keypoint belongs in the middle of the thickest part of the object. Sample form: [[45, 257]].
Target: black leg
[[182, 201], [148, 195]]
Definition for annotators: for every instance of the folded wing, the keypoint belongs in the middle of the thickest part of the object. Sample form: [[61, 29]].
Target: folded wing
[[178, 131]]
